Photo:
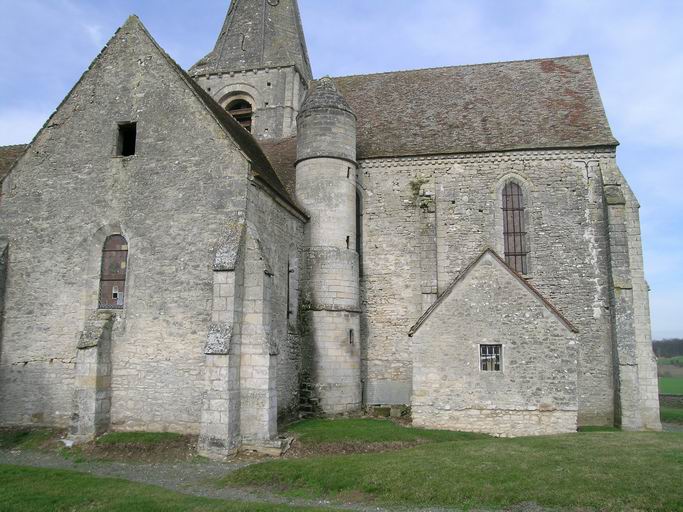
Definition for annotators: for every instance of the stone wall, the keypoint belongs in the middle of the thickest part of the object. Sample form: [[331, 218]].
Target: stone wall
[[172, 201], [326, 187], [635, 362], [426, 218], [275, 95], [535, 390], [280, 233]]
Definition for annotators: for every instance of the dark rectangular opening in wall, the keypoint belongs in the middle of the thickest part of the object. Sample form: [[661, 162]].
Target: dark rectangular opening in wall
[[491, 358], [128, 133]]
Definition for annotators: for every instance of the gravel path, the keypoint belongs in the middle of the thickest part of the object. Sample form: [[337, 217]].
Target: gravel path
[[197, 479]]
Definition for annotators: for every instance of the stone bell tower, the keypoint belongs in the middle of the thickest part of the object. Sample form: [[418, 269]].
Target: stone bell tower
[[326, 188], [259, 68]]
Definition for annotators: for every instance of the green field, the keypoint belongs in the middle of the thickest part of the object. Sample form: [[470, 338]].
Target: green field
[[43, 490], [599, 469], [606, 471], [675, 361], [671, 385]]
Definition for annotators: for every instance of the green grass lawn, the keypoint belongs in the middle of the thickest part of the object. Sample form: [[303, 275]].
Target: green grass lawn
[[370, 431], [37, 490], [676, 361], [671, 385], [607, 471], [671, 414], [145, 438]]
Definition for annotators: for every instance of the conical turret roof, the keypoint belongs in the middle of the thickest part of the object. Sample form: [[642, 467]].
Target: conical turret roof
[[324, 94], [259, 34]]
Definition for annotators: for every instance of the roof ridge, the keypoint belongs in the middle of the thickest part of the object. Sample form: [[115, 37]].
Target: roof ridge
[[436, 68], [244, 140], [13, 146]]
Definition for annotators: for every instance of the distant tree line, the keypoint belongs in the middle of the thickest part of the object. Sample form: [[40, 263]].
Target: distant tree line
[[668, 348]]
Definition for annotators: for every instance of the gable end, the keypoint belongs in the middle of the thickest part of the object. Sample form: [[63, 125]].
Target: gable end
[[461, 277]]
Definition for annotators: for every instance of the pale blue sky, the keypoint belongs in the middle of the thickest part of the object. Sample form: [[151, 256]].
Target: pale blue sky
[[636, 48]]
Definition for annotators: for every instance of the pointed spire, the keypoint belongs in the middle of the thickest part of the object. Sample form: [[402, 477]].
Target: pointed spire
[[259, 34]]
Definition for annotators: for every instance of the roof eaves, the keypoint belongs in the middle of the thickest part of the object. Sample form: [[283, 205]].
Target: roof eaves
[[244, 140]]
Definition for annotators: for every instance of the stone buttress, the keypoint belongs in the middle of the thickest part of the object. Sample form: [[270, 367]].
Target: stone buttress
[[636, 386]]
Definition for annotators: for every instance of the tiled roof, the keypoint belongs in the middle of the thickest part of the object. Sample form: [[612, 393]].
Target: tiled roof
[[8, 156], [282, 156], [533, 104]]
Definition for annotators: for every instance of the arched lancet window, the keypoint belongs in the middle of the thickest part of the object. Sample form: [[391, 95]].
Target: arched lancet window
[[242, 111], [113, 273], [514, 229]]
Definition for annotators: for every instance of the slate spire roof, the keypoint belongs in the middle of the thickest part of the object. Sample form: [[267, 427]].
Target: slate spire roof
[[258, 34]]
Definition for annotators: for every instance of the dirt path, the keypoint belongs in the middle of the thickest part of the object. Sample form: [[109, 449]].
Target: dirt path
[[197, 479]]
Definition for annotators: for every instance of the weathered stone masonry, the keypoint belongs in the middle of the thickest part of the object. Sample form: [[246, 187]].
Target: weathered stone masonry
[[326, 187], [144, 367], [568, 240], [535, 391], [333, 257]]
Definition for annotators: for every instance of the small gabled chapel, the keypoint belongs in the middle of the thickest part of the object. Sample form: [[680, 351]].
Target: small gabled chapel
[[222, 250]]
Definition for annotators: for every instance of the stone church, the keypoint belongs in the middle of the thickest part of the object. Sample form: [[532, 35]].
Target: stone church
[[220, 250]]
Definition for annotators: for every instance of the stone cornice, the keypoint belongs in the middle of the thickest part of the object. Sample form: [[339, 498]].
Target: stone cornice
[[507, 156]]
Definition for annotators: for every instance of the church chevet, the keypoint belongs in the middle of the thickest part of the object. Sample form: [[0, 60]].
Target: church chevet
[[223, 250]]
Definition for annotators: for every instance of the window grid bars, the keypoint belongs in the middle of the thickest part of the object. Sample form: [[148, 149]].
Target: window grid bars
[[514, 233], [490, 356]]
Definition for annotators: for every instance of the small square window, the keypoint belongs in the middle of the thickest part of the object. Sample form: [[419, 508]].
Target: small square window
[[127, 138], [491, 357]]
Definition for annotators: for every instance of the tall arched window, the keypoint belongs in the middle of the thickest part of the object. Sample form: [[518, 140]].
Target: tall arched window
[[514, 229], [113, 273], [242, 111]]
